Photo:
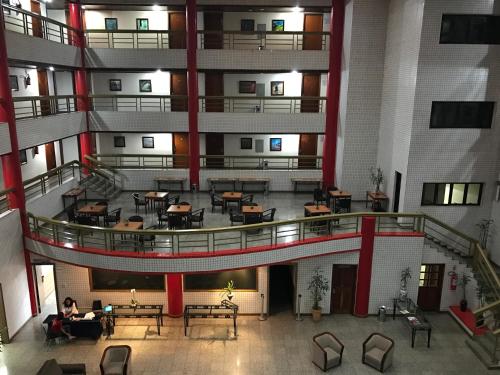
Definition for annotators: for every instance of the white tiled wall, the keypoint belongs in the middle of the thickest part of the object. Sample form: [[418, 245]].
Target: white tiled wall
[[110, 121], [4, 138], [126, 58], [143, 179]]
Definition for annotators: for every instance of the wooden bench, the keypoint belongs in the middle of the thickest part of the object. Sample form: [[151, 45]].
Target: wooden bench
[[306, 181], [160, 180], [213, 181], [255, 180]]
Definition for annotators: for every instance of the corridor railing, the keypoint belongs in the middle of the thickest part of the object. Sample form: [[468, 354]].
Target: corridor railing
[[154, 39], [39, 106], [4, 200], [22, 21], [265, 104], [139, 103], [261, 40]]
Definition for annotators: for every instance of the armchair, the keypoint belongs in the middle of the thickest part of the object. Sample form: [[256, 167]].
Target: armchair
[[319, 196], [115, 360], [327, 351], [196, 217], [268, 215], [378, 351], [216, 201], [162, 216], [235, 218], [113, 217], [52, 367], [247, 198], [139, 202]]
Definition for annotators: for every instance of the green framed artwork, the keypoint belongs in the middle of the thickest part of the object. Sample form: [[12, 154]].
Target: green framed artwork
[[278, 25], [142, 23]]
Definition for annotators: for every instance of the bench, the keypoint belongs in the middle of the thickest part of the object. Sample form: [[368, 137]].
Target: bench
[[226, 310], [213, 181], [160, 180], [306, 181], [255, 180]]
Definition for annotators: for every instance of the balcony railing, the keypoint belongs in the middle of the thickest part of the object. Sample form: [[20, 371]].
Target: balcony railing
[[28, 23], [265, 104], [139, 103], [38, 106], [261, 40], [4, 200], [153, 39]]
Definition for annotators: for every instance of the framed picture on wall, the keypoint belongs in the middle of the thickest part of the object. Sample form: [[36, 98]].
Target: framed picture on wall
[[246, 143], [148, 142], [278, 25], [111, 24], [145, 85], [247, 87], [119, 141], [14, 84], [275, 144], [247, 25], [23, 158], [142, 23], [277, 88], [115, 85]]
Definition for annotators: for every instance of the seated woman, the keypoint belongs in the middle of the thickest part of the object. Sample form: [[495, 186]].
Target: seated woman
[[57, 329], [69, 307]]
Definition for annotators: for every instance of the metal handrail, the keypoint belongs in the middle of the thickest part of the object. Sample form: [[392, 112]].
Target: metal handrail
[[40, 106], [139, 103], [4, 199], [154, 39]]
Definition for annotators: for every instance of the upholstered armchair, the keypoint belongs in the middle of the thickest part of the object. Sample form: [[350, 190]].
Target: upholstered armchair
[[378, 351], [327, 351], [115, 360]]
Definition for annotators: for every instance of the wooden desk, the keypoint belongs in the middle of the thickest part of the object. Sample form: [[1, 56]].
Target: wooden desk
[[182, 211], [74, 194], [255, 180], [338, 195], [231, 196], [155, 196], [93, 210], [377, 200], [306, 181], [129, 226], [169, 180], [213, 181], [251, 210], [317, 210]]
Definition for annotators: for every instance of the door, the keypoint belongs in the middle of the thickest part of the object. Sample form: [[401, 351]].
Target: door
[[281, 288], [50, 156], [214, 86], [430, 287], [36, 23], [178, 86], [43, 90], [4, 330], [310, 87], [313, 23], [343, 289], [214, 145], [45, 288], [213, 22], [177, 30], [308, 146], [397, 190], [180, 146]]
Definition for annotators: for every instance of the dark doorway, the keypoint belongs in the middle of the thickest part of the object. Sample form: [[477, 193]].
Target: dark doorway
[[36, 23], [177, 30], [43, 90], [430, 287], [214, 86], [4, 330], [212, 21], [178, 86], [343, 288], [397, 190], [281, 288], [313, 23], [310, 87], [308, 146], [180, 146], [214, 145], [50, 156]]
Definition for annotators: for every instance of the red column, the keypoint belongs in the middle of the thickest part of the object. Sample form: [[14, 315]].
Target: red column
[[174, 295], [365, 266], [333, 92], [192, 76], [11, 165]]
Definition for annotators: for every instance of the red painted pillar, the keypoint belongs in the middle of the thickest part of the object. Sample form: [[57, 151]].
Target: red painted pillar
[[174, 295], [333, 91], [192, 76], [11, 166], [365, 266]]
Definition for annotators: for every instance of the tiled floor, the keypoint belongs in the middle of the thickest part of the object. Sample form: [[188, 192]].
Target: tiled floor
[[279, 345]]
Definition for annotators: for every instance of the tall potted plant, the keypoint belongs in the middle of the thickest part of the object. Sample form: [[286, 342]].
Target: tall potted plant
[[318, 286], [484, 228], [403, 290], [376, 177], [463, 280]]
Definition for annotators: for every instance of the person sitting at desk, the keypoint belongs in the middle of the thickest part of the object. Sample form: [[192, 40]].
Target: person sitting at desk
[[69, 307], [57, 329]]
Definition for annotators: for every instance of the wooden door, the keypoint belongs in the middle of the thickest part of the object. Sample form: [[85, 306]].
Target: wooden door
[[50, 156], [36, 23], [343, 289], [214, 86], [430, 287], [213, 22], [180, 146], [43, 90], [177, 28], [214, 145], [178, 86], [310, 87], [313, 23], [308, 146]]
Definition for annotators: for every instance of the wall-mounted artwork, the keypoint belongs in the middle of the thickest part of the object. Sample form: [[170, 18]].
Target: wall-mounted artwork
[[14, 84], [275, 144], [142, 24], [247, 25], [119, 141], [246, 143], [111, 24], [278, 25], [145, 85], [247, 87], [148, 142], [277, 88], [115, 85]]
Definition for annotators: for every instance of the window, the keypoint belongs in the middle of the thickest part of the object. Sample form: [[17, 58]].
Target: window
[[470, 29], [458, 193], [462, 115], [429, 275]]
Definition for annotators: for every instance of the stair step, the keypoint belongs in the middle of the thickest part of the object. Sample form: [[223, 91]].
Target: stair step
[[481, 353]]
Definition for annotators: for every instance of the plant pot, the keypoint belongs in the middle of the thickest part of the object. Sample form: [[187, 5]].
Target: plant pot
[[463, 305], [316, 314], [230, 297]]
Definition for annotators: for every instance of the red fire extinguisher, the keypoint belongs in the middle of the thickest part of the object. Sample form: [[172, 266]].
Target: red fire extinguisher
[[453, 279]]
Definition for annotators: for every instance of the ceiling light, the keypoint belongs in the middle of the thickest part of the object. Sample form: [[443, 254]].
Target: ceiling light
[[156, 7], [83, 6], [297, 9], [158, 70], [51, 68]]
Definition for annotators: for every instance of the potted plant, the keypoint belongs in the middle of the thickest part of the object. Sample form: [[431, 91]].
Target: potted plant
[[484, 228], [403, 290], [376, 177], [133, 301], [318, 287], [228, 290], [463, 280]]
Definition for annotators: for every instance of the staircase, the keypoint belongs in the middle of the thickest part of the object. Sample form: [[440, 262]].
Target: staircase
[[101, 185]]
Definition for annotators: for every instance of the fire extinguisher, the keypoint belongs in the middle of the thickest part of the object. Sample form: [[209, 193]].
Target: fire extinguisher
[[453, 279]]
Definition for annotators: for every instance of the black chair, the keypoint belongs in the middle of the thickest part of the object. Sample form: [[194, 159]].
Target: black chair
[[343, 206], [139, 202], [97, 305], [136, 219], [268, 215], [162, 216], [247, 199], [235, 217], [174, 221], [249, 204], [196, 217], [319, 196], [328, 196], [308, 204], [151, 238], [173, 200], [113, 217], [87, 220], [216, 201], [71, 215]]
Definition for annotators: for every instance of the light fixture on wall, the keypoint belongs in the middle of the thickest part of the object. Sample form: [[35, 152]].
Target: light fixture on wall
[[156, 7], [51, 68], [158, 71], [27, 79], [297, 9]]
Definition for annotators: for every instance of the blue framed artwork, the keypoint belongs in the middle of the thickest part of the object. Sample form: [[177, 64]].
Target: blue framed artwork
[[278, 25], [111, 24], [275, 144]]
